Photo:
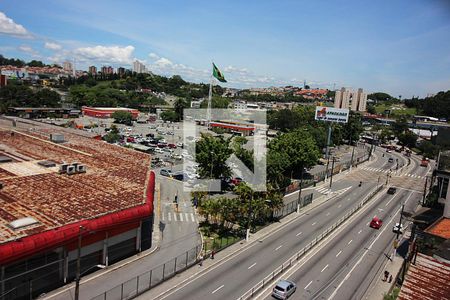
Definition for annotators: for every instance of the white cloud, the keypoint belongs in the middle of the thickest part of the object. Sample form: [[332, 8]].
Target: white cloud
[[29, 50], [9, 27], [105, 54], [163, 62], [153, 55], [52, 46]]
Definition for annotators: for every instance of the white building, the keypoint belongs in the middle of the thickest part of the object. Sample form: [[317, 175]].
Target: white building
[[345, 98], [67, 66], [139, 67]]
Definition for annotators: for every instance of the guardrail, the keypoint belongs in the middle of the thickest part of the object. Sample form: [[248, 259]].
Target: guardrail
[[279, 270]]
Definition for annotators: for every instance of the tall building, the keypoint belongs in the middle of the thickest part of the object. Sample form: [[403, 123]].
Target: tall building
[[107, 70], [121, 71], [92, 70], [345, 98], [139, 67], [67, 66]]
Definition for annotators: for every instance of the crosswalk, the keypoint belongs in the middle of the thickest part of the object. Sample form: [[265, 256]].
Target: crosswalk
[[326, 190], [323, 190], [413, 176], [170, 216], [377, 170]]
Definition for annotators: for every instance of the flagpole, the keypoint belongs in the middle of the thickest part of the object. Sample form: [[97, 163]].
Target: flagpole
[[208, 111]]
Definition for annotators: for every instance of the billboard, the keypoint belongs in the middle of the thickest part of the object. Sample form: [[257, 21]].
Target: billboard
[[331, 114]]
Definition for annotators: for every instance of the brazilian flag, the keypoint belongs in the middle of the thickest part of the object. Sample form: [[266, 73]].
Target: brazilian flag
[[216, 73]]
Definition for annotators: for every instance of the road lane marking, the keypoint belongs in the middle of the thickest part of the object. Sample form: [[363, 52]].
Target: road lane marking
[[181, 217], [251, 266], [359, 231], [349, 242], [367, 223], [170, 217], [308, 285], [339, 206], [313, 224], [339, 253], [324, 268], [278, 248], [192, 217], [327, 214], [362, 256], [298, 234], [217, 289]]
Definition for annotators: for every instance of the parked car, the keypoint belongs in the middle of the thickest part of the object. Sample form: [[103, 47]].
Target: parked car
[[159, 150], [284, 289], [376, 223], [392, 190], [172, 146], [165, 172], [398, 228], [391, 160], [180, 144]]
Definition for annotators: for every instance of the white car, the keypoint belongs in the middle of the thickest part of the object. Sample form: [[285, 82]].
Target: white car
[[159, 150], [398, 228]]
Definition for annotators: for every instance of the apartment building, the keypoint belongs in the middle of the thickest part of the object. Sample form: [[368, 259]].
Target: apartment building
[[346, 98]]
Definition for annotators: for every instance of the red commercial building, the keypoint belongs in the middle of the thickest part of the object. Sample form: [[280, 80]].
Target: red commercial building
[[53, 194], [106, 112]]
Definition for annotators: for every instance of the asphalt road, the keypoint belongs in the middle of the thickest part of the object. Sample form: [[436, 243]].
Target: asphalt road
[[348, 264], [235, 276]]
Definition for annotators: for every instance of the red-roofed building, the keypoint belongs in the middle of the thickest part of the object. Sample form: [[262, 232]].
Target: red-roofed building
[[312, 93], [106, 112], [52, 194], [427, 278]]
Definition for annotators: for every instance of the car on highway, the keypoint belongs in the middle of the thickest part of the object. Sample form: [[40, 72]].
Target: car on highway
[[376, 223], [392, 190], [165, 172], [398, 228], [284, 289]]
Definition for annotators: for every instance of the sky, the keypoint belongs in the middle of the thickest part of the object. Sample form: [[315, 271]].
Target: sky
[[401, 47]]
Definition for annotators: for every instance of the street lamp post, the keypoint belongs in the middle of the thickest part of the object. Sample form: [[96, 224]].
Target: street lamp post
[[247, 236], [300, 191]]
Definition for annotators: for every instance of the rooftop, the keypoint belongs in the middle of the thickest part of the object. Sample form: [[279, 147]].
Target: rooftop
[[115, 179], [441, 228], [427, 279]]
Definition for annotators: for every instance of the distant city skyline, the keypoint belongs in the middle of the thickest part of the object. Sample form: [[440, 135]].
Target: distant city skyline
[[401, 48]]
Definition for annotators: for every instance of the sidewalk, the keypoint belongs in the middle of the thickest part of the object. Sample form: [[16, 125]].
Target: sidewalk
[[383, 287]]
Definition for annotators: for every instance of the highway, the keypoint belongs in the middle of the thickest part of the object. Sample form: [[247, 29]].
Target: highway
[[347, 265], [234, 276]]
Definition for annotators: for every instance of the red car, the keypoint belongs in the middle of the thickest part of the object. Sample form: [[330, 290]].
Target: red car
[[172, 146], [236, 181], [376, 223]]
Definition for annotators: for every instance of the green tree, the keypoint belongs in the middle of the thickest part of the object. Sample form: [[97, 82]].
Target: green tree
[[36, 63], [122, 117], [353, 128], [212, 153], [169, 115], [113, 135], [179, 107], [400, 126], [408, 139], [371, 109]]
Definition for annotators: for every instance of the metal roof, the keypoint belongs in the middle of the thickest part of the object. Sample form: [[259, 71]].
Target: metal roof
[[427, 279]]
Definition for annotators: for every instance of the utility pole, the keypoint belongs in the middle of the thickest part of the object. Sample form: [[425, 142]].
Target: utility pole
[[351, 160], [425, 190], [326, 169], [328, 142], [77, 275], [332, 168]]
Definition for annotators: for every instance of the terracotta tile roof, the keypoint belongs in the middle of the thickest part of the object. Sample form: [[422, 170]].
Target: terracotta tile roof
[[441, 228], [115, 180], [427, 279]]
